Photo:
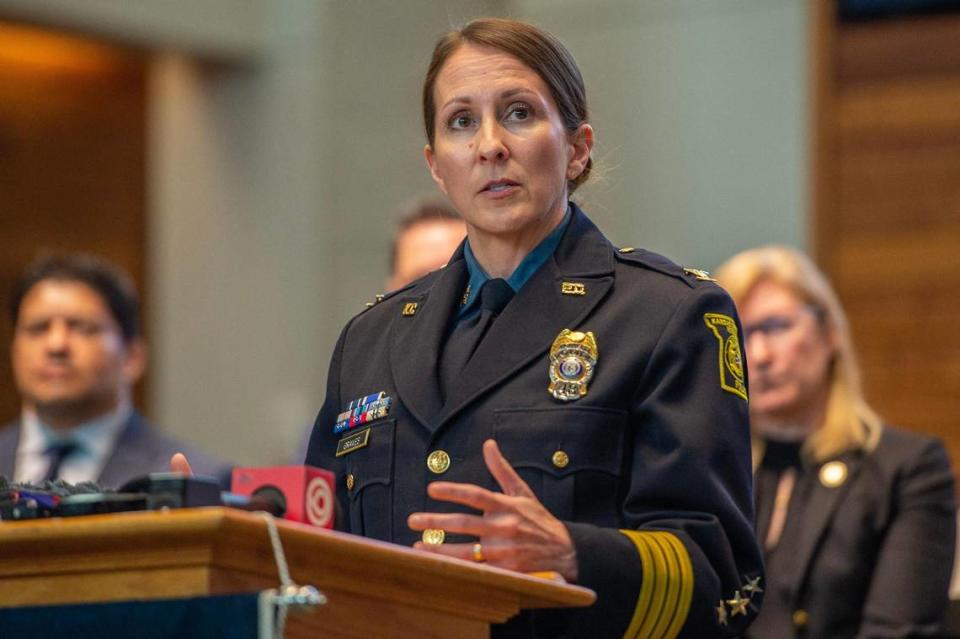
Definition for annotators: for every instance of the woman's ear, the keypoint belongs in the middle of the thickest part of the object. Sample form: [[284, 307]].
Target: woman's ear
[[432, 165], [581, 145]]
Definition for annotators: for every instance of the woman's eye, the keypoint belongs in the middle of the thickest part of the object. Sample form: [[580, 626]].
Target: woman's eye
[[518, 112], [461, 121]]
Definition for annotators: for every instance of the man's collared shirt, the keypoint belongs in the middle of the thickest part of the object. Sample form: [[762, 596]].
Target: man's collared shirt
[[95, 441]]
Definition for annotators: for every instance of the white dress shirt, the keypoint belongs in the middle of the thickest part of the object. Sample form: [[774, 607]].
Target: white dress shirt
[[95, 440]]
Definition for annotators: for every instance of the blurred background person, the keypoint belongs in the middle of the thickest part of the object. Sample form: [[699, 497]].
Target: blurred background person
[[427, 235], [857, 519], [77, 351]]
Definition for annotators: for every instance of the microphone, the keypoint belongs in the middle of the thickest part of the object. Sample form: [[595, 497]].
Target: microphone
[[298, 493]]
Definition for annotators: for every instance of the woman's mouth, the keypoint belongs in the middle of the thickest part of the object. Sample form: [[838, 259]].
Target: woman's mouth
[[499, 188]]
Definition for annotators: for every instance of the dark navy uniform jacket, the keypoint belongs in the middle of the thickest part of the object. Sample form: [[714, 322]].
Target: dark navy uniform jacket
[[655, 482]]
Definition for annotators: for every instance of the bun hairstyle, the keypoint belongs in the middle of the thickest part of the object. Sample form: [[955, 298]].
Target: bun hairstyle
[[536, 49]]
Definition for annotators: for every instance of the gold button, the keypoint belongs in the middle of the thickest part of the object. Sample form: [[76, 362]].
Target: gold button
[[351, 480], [560, 459], [800, 618], [438, 462], [433, 536]]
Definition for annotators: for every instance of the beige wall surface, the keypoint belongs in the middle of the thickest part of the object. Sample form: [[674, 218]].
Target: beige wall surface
[[285, 134]]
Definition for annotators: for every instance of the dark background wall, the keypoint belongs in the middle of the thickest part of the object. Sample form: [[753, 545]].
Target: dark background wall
[[72, 116]]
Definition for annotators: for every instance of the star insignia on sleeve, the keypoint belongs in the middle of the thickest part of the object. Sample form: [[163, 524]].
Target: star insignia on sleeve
[[752, 587], [738, 605], [722, 614]]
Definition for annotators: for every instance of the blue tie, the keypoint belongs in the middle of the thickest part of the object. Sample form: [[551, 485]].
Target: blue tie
[[57, 453], [468, 333]]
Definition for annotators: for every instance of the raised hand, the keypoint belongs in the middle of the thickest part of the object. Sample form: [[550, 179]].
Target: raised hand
[[179, 464], [514, 530]]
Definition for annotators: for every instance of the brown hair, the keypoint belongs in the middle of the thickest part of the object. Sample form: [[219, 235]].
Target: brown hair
[[109, 281], [535, 48]]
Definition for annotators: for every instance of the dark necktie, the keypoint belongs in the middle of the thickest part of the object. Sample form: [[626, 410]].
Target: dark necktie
[[467, 334], [57, 453]]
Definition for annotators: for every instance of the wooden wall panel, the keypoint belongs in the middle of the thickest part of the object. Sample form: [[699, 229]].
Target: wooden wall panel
[[72, 149], [887, 207]]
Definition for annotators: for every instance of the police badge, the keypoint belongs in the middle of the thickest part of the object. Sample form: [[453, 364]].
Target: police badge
[[573, 357]]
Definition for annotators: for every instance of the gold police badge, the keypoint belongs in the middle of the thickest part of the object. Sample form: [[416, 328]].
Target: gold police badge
[[573, 358], [732, 378]]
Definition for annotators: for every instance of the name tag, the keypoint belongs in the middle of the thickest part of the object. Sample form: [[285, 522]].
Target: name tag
[[353, 442]]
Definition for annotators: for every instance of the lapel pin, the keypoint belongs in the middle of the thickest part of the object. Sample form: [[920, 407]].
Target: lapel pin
[[573, 358], [573, 288], [410, 308], [833, 474]]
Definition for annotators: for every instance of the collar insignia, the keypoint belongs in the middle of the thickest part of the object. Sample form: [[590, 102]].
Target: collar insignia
[[698, 273], [573, 288]]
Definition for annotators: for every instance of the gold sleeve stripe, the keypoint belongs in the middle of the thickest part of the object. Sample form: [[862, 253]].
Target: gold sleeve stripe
[[667, 587], [646, 585], [660, 603], [686, 585], [671, 598]]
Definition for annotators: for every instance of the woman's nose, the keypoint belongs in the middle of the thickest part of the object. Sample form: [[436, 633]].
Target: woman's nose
[[491, 146], [758, 350]]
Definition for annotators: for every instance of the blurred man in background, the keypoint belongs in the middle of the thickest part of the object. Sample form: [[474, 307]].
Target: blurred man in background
[[426, 237], [77, 352]]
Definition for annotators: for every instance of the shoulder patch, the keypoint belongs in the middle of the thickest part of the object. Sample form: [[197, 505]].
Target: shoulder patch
[[730, 356]]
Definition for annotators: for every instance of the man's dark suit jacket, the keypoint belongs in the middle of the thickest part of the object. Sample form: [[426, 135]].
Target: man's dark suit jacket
[[871, 557], [140, 450]]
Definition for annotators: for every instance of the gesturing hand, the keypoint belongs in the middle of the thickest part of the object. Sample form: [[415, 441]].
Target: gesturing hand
[[515, 530], [179, 464]]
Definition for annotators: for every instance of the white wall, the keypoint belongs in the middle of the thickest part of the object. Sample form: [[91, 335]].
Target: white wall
[[285, 133], [700, 110]]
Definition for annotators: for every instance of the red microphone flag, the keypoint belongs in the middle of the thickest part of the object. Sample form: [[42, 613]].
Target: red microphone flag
[[307, 493]]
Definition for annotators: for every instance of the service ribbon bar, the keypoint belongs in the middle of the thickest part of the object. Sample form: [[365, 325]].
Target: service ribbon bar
[[374, 410]]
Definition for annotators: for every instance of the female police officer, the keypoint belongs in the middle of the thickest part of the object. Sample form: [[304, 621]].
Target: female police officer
[[546, 401]]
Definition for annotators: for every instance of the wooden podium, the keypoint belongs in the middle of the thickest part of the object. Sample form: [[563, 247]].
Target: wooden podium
[[374, 589]]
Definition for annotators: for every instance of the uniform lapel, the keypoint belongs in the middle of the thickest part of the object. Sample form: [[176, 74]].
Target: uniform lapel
[[818, 513], [528, 325], [416, 339]]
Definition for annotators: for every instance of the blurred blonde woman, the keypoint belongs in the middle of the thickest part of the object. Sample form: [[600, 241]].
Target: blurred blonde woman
[[856, 518]]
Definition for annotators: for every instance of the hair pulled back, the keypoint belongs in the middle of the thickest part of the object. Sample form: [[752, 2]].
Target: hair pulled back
[[535, 48]]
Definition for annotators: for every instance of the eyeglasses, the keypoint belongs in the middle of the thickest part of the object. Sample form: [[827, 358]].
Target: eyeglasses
[[776, 327]]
